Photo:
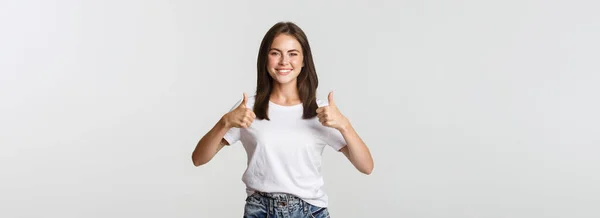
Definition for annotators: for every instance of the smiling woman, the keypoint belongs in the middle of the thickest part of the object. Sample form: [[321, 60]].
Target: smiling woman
[[285, 58], [284, 131]]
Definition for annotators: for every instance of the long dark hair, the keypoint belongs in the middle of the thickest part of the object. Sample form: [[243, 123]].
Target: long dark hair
[[307, 80]]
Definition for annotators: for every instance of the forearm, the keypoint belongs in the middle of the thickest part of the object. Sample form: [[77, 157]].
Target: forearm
[[210, 143], [358, 152]]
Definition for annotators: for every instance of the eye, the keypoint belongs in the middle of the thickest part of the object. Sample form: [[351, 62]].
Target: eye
[[274, 53], [293, 54]]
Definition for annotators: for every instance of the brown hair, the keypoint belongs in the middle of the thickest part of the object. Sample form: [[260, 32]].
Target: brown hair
[[307, 80]]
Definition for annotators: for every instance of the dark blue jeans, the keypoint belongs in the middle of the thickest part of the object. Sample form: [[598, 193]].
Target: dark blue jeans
[[279, 205]]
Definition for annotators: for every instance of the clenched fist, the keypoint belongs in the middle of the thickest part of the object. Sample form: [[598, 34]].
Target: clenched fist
[[240, 117], [331, 116]]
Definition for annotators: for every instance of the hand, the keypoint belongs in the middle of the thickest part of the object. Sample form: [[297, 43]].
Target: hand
[[240, 117], [331, 116]]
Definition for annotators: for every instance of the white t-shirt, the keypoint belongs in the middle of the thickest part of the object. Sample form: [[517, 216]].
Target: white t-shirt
[[284, 154]]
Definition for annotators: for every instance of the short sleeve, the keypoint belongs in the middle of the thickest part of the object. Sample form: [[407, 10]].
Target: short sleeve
[[233, 134], [331, 136]]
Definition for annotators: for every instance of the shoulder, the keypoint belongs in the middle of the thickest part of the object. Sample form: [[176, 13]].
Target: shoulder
[[249, 102]]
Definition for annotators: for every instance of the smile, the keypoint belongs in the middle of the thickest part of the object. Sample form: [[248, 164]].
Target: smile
[[283, 71]]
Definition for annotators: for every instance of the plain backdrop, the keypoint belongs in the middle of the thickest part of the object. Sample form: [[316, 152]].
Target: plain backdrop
[[484, 109]]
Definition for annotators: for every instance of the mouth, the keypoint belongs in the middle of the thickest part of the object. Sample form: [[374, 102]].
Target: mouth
[[283, 72]]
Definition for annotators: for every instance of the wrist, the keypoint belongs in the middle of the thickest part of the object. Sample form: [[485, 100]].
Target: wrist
[[223, 122], [345, 127]]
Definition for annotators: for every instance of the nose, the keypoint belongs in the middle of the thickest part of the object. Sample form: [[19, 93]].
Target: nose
[[284, 60]]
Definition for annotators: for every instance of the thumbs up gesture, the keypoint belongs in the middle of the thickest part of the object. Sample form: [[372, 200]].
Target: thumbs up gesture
[[331, 116], [240, 117]]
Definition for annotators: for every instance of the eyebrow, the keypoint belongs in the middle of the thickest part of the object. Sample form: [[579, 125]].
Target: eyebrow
[[293, 50]]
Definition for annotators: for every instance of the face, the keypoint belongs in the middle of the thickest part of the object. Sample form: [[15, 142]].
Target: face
[[285, 59]]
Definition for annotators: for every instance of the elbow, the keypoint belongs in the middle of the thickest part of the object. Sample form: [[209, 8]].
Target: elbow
[[197, 161], [367, 170]]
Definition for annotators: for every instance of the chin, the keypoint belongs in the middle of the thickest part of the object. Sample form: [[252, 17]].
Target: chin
[[284, 80]]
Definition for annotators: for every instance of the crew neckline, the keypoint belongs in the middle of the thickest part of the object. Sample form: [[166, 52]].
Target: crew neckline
[[285, 106]]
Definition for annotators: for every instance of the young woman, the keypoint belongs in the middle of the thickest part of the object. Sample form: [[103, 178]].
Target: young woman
[[284, 129]]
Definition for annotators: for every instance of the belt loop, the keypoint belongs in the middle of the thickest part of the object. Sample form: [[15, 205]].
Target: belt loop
[[273, 206], [270, 205], [304, 207]]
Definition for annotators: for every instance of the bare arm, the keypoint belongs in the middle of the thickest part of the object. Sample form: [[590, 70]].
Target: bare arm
[[213, 141], [210, 144], [356, 150]]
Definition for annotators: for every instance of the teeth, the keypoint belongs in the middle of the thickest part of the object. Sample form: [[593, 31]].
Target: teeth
[[284, 71]]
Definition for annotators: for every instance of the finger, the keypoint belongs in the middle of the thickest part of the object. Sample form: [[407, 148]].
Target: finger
[[243, 104], [323, 109], [330, 99], [247, 121], [243, 119], [250, 113], [323, 120]]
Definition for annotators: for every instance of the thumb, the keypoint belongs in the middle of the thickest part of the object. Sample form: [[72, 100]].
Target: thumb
[[244, 101], [330, 99]]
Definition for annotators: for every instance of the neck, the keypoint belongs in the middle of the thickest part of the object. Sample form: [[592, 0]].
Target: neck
[[285, 93]]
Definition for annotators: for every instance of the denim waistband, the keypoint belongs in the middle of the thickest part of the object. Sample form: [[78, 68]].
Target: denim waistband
[[286, 205], [281, 199]]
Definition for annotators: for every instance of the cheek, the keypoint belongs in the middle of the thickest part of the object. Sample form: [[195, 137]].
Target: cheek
[[272, 61], [297, 63]]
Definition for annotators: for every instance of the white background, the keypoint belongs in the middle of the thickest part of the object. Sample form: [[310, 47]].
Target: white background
[[470, 108]]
